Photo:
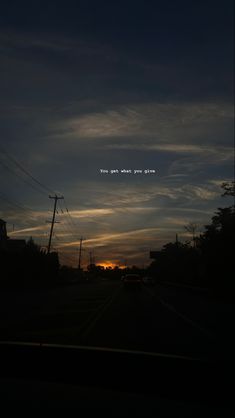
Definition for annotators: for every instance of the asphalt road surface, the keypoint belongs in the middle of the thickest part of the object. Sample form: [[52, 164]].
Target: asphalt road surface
[[162, 319]]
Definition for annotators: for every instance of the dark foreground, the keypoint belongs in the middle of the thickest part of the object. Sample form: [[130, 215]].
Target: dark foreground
[[162, 350], [162, 319], [39, 377]]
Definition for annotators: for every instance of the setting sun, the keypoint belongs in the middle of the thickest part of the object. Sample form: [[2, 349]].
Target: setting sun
[[107, 264]]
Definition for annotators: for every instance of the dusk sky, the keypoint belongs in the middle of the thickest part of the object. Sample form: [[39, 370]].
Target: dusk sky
[[91, 85]]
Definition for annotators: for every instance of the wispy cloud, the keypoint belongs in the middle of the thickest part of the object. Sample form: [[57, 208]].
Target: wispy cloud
[[163, 121], [223, 153], [88, 213], [18, 40], [25, 231], [106, 239], [141, 193]]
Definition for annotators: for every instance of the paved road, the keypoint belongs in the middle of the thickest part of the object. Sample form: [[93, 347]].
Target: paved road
[[156, 319]]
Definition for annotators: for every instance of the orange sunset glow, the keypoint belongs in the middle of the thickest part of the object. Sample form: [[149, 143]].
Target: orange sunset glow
[[107, 264]]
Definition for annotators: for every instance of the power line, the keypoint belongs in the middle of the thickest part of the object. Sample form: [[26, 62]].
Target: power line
[[65, 227], [25, 171], [69, 218], [21, 178], [68, 212], [65, 230], [70, 225], [66, 257], [12, 203], [45, 188]]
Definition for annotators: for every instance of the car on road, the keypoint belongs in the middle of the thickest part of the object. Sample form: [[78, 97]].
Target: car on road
[[149, 281], [132, 280]]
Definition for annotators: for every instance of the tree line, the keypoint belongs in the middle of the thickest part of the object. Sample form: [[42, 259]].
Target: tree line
[[28, 267], [207, 260]]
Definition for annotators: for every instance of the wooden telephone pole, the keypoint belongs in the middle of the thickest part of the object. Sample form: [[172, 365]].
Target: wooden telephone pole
[[80, 253], [56, 198]]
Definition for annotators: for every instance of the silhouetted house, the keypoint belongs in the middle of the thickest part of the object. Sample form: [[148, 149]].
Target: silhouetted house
[[7, 244], [16, 245], [3, 230]]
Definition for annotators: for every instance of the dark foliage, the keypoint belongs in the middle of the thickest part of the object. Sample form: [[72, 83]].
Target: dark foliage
[[179, 263], [210, 261], [28, 267], [217, 247]]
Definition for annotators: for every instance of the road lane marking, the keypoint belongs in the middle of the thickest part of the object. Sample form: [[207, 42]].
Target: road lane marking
[[149, 292], [182, 316], [92, 320], [186, 319]]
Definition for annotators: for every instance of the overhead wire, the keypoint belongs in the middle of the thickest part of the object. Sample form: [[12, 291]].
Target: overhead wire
[[14, 203], [70, 226], [16, 168], [24, 170], [66, 257], [39, 187], [3, 164]]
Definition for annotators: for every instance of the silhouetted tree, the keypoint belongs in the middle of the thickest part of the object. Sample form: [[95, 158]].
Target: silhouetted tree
[[177, 262], [217, 246], [32, 247], [229, 188], [192, 228], [210, 261]]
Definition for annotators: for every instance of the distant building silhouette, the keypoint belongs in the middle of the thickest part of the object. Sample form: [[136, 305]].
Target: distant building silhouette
[[3, 230], [7, 244]]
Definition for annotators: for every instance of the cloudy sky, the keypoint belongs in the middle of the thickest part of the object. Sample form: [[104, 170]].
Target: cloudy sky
[[102, 85]]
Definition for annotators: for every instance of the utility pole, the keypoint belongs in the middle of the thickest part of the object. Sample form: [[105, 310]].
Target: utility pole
[[90, 254], [80, 253], [53, 220], [177, 240]]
